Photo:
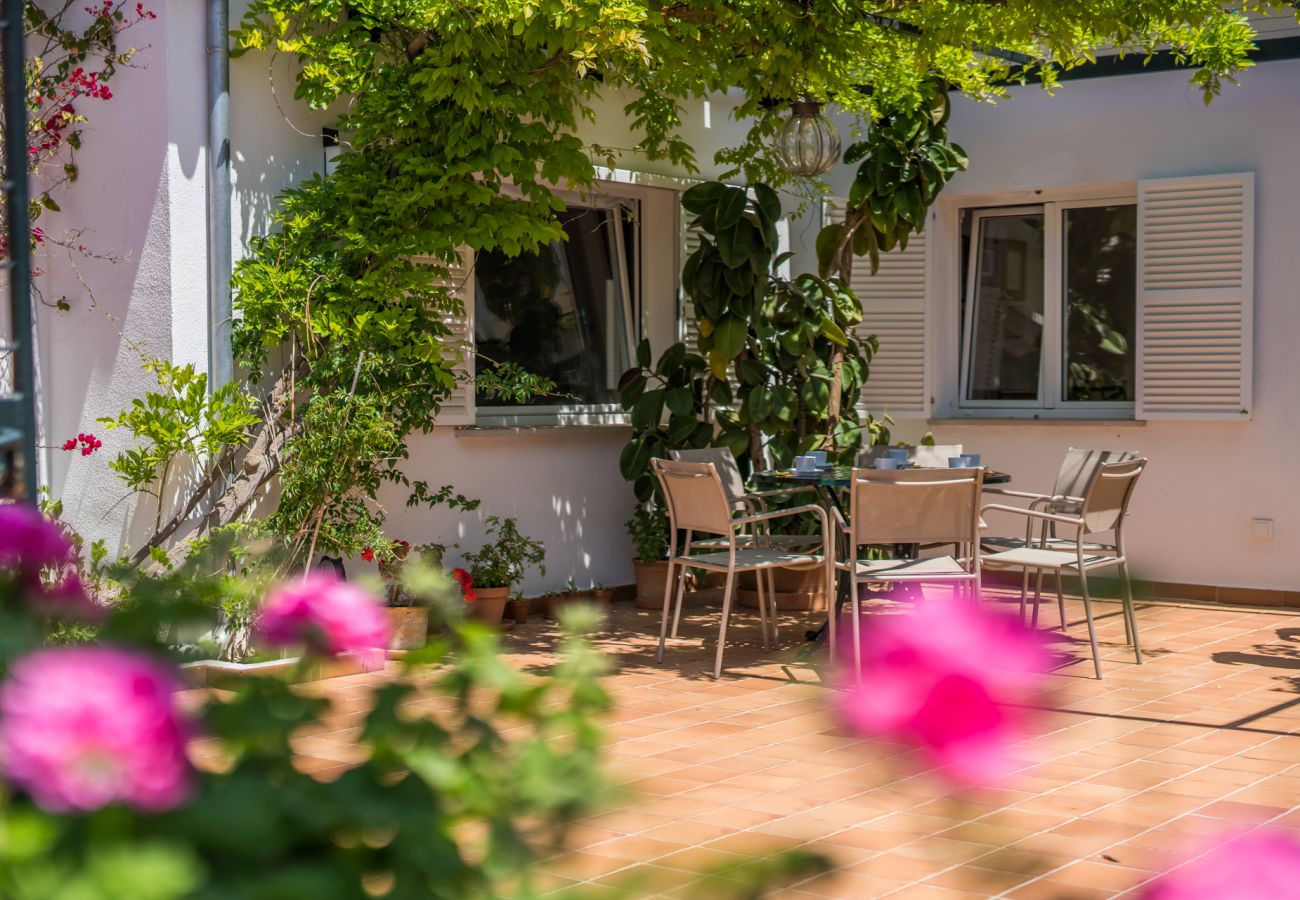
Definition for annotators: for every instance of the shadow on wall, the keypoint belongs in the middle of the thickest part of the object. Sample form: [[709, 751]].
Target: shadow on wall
[[122, 205], [564, 489], [275, 139]]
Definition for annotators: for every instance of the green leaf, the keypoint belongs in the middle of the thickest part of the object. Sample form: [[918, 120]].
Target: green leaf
[[647, 410], [833, 332], [769, 203], [643, 353], [828, 242], [729, 336], [680, 401], [731, 208]]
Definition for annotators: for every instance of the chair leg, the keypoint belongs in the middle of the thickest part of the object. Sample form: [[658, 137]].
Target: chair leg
[[1038, 597], [1024, 593], [1060, 601], [1130, 611], [663, 626], [722, 628], [856, 611], [681, 596], [1092, 628], [761, 584], [832, 611], [771, 599]]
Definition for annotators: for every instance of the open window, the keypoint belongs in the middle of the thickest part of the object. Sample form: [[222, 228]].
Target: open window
[[566, 312], [1049, 308]]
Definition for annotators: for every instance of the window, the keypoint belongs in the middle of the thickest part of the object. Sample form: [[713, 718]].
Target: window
[[1049, 307], [568, 311]]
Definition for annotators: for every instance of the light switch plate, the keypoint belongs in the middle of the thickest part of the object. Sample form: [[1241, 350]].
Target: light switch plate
[[1261, 529]]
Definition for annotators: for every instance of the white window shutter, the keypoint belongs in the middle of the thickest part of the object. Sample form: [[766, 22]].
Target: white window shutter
[[893, 309], [688, 327], [458, 408], [1195, 315]]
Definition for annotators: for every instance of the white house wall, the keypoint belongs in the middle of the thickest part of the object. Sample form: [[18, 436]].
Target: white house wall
[[141, 196], [1192, 514]]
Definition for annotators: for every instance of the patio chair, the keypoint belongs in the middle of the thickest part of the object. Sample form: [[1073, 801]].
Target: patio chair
[[1077, 473], [698, 502], [741, 500], [911, 507], [1101, 510]]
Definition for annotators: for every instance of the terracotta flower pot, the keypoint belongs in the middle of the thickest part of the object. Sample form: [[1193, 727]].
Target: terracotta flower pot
[[650, 578], [410, 626], [518, 609], [489, 604]]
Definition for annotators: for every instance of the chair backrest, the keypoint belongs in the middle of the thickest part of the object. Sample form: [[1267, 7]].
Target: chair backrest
[[725, 462], [935, 457], [1108, 496], [695, 495], [1079, 470], [916, 506]]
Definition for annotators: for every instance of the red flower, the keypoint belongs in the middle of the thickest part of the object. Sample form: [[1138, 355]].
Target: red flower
[[88, 443], [466, 582], [367, 554]]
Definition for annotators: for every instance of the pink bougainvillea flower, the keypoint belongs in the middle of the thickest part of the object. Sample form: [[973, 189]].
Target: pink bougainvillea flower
[[1242, 867], [941, 678], [328, 615], [466, 582], [29, 541], [84, 727]]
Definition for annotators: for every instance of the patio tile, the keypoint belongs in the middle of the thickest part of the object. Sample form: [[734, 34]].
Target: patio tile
[[1127, 773]]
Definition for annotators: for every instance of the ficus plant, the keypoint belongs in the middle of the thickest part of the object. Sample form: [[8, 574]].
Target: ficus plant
[[904, 162], [789, 347], [666, 404]]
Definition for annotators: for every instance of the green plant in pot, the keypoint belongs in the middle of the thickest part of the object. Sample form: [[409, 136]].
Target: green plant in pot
[[408, 612], [648, 529], [497, 567]]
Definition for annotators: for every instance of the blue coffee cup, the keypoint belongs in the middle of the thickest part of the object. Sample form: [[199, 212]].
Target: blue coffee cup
[[958, 462], [805, 464], [899, 453], [972, 459], [818, 456], [886, 462]]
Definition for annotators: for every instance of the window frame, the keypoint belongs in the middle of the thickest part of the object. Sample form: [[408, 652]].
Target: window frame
[[950, 289]]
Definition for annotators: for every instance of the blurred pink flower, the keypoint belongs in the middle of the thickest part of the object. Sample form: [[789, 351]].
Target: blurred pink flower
[[68, 599], [940, 677], [83, 727], [29, 541], [327, 615], [1245, 867]]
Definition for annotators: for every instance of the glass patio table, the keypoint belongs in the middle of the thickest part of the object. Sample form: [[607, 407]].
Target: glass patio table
[[828, 481]]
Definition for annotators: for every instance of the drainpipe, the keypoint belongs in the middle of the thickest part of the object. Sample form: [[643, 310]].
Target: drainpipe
[[220, 358]]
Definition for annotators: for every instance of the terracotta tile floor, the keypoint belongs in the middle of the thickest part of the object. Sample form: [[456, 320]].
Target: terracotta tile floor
[[1130, 771]]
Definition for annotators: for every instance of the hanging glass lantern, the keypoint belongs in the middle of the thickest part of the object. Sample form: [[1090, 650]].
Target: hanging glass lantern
[[808, 144]]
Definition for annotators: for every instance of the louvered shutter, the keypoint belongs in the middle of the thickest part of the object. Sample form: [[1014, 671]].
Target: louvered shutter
[[458, 409], [893, 309], [1195, 297], [688, 329]]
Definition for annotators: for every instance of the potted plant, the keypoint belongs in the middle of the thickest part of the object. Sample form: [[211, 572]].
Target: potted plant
[[517, 606], [498, 566], [648, 529]]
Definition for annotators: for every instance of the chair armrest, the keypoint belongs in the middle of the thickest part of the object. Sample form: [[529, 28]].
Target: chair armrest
[[781, 513], [1032, 513], [776, 492]]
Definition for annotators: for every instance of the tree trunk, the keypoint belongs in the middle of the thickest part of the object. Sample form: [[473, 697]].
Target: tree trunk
[[844, 269], [259, 466]]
